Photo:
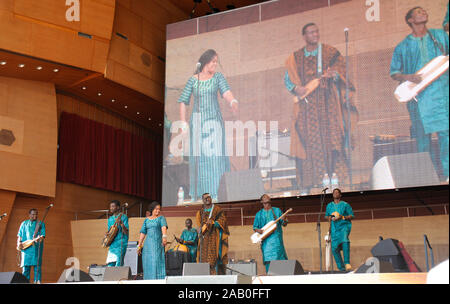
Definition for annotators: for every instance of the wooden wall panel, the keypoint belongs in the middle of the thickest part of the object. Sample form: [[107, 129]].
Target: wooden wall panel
[[6, 204], [45, 33], [138, 61], [32, 169]]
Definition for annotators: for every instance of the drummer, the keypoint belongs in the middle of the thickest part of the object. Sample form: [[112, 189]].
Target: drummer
[[189, 237], [272, 247]]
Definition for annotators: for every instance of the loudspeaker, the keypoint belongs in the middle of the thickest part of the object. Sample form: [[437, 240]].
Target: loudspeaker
[[240, 185], [132, 259], [195, 269], [12, 278], [74, 275], [388, 251], [246, 268], [285, 267], [404, 170], [375, 266], [97, 271], [117, 273]]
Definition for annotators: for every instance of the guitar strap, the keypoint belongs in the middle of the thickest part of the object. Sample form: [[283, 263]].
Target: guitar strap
[[437, 44]]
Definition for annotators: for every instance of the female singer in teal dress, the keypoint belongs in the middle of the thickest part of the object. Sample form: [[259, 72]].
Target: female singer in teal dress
[[207, 159], [153, 254]]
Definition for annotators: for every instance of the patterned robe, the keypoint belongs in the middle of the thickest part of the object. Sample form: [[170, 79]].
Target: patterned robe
[[319, 127], [213, 245]]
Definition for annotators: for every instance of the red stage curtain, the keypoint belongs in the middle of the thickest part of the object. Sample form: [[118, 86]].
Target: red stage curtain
[[94, 154]]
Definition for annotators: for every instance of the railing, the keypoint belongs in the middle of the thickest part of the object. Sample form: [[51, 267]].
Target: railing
[[307, 216]]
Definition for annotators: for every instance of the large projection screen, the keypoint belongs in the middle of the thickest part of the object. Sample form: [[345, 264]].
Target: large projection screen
[[247, 134]]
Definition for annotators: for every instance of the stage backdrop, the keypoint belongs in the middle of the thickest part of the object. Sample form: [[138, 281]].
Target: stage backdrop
[[270, 143]]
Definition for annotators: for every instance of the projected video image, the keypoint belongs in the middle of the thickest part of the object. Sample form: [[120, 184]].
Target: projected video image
[[295, 99]]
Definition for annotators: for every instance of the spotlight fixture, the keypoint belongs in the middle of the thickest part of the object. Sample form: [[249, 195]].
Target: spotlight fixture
[[99, 94], [21, 65], [138, 113], [113, 100], [126, 107], [2, 62], [55, 70], [83, 88], [38, 68], [149, 118]]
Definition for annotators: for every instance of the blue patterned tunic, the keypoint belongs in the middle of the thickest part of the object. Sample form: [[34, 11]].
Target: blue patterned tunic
[[272, 247], [118, 247], [207, 158], [30, 255], [153, 258], [191, 236], [340, 229]]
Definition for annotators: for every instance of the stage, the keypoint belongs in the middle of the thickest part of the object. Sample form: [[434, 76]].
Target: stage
[[347, 278]]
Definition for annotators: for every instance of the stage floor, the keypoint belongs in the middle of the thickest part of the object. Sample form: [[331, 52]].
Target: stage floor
[[348, 278]]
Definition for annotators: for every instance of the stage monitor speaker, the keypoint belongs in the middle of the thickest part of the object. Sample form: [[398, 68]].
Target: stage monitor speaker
[[12, 278], [375, 267], [247, 268], [97, 271], [196, 269], [404, 170], [240, 186], [73, 275], [132, 259], [285, 267], [117, 273], [388, 251]]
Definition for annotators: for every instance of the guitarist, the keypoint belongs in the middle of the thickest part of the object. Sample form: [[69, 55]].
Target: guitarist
[[319, 138], [272, 247], [213, 236], [429, 114], [31, 256], [118, 247]]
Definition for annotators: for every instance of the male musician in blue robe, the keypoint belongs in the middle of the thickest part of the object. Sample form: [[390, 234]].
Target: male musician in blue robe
[[32, 256], [189, 237], [340, 215], [272, 247], [118, 247], [429, 112]]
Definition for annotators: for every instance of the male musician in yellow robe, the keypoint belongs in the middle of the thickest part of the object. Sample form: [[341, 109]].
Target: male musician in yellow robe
[[272, 247], [32, 256], [213, 236], [429, 112], [320, 137]]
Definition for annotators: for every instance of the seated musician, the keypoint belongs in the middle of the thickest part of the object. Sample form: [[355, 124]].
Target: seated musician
[[272, 247], [189, 237]]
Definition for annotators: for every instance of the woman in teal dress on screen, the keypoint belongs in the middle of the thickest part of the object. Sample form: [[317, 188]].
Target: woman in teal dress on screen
[[207, 159], [153, 254]]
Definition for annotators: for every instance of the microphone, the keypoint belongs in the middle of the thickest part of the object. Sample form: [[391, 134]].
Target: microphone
[[125, 205], [325, 189], [346, 34], [3, 215], [197, 67]]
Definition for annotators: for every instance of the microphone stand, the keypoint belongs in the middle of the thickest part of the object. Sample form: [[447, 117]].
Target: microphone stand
[[322, 198], [348, 113]]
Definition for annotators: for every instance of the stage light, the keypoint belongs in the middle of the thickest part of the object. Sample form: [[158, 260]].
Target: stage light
[[138, 113], [2, 62], [21, 65], [113, 100], [83, 88], [126, 107], [149, 118], [39, 68], [55, 70], [99, 94]]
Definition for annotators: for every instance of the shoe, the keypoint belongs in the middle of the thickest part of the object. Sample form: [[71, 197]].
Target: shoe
[[348, 267]]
